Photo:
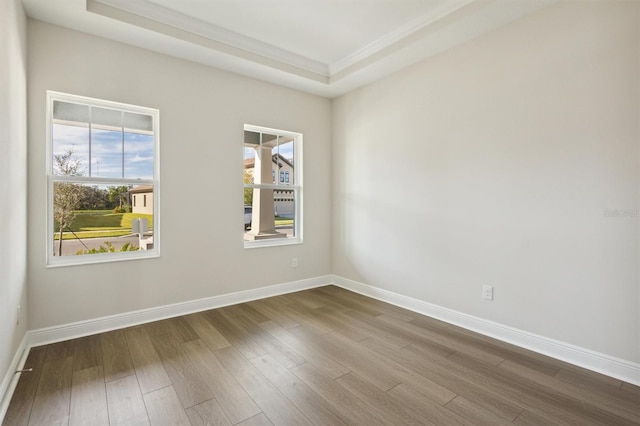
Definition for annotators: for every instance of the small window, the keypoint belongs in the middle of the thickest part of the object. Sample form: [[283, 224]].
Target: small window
[[265, 152], [100, 156]]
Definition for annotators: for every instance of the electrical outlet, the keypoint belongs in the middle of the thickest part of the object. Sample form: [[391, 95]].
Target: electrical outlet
[[294, 262], [487, 292], [18, 315]]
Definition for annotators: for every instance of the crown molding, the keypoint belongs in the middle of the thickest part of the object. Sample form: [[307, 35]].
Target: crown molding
[[396, 36]]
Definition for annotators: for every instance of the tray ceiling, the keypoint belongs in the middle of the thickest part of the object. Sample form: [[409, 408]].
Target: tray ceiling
[[325, 47]]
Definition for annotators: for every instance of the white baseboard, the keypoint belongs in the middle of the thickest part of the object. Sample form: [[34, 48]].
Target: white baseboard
[[63, 332], [10, 380], [74, 330], [60, 333], [614, 367]]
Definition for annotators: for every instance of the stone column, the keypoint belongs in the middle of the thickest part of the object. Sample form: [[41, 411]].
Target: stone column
[[263, 224]]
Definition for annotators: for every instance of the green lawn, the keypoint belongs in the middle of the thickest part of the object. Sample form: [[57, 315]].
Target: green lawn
[[283, 221], [105, 223], [102, 223]]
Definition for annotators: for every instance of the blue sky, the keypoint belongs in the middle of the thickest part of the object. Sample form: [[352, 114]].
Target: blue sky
[[106, 151]]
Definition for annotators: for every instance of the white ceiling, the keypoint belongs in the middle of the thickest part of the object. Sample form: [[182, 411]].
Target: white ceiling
[[325, 47]]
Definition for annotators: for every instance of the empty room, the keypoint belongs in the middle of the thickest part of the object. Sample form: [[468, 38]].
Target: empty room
[[327, 212]]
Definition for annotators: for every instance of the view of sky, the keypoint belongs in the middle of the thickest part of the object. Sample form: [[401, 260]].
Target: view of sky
[[285, 149], [106, 154]]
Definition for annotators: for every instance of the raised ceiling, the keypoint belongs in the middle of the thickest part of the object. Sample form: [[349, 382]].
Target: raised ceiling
[[325, 47]]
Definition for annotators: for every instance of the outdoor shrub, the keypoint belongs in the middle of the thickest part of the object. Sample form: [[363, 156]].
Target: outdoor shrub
[[108, 249]]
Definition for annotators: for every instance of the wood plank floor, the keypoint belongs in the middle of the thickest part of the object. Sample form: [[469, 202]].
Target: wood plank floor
[[325, 356]]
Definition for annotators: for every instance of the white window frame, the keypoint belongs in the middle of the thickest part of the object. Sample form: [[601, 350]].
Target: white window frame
[[297, 189], [56, 261]]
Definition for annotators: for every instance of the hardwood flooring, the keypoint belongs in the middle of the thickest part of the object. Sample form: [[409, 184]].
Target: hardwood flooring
[[325, 356]]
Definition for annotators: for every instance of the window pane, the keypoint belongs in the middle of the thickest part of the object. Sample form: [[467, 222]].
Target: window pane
[[251, 139], [95, 219], [138, 156], [248, 212], [70, 112], [100, 152], [285, 152], [106, 119], [70, 150], [138, 123], [249, 158], [106, 153], [280, 224]]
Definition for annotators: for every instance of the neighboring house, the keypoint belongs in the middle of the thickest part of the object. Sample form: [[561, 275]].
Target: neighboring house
[[282, 174], [141, 199]]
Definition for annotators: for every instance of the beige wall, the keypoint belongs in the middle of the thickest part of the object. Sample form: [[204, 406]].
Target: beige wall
[[506, 157], [138, 204], [202, 114], [13, 180]]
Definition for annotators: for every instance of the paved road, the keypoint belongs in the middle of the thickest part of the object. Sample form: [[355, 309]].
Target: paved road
[[71, 247]]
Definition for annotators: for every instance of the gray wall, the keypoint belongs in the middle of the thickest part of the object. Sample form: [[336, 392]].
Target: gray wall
[[202, 113], [13, 179], [499, 162]]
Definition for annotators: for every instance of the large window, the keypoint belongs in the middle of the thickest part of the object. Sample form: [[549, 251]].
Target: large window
[[102, 161], [273, 207]]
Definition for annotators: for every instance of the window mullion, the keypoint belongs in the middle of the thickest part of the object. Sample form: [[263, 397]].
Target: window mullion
[[270, 186], [90, 138], [122, 130], [101, 180]]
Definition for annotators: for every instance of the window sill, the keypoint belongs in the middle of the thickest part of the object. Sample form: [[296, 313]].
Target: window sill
[[272, 242], [89, 259]]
